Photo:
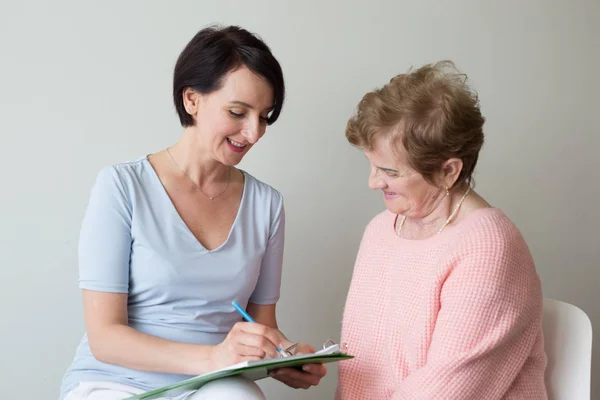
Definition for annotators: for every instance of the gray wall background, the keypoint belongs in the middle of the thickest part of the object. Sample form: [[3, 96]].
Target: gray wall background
[[86, 84]]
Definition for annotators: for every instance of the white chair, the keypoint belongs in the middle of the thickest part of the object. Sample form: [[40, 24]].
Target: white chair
[[568, 344]]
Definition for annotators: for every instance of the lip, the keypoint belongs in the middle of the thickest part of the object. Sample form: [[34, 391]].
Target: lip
[[234, 148], [389, 195]]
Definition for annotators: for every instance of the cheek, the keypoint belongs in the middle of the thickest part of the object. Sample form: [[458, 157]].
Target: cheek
[[405, 188], [414, 192], [424, 197], [224, 127]]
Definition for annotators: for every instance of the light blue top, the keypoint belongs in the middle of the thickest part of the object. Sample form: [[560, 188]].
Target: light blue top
[[133, 241]]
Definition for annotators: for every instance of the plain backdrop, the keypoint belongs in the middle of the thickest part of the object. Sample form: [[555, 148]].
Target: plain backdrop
[[88, 84]]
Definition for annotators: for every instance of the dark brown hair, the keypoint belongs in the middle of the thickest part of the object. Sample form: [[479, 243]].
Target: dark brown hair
[[212, 53]]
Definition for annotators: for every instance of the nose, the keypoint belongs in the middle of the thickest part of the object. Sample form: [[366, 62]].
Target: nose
[[375, 180], [253, 130]]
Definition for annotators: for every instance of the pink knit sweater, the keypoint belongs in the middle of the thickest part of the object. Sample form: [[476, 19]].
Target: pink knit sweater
[[455, 316]]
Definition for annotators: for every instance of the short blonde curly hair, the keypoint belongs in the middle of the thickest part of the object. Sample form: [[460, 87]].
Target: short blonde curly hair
[[437, 117]]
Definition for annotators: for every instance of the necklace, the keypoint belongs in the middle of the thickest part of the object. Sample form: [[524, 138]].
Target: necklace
[[450, 218], [197, 186]]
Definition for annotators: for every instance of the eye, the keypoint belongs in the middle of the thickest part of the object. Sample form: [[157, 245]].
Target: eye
[[391, 174], [264, 119], [236, 115]]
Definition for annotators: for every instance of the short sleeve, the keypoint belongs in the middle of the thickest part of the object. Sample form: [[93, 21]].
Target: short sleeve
[[268, 287], [105, 236]]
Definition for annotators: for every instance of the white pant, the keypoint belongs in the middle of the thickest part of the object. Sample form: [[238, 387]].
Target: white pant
[[221, 389]]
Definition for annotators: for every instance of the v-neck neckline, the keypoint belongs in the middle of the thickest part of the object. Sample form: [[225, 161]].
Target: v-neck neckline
[[173, 209]]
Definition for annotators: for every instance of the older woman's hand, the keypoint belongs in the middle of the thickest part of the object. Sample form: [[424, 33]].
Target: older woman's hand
[[310, 375]]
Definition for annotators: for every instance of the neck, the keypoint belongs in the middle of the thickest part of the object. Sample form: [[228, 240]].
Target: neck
[[429, 225], [195, 159]]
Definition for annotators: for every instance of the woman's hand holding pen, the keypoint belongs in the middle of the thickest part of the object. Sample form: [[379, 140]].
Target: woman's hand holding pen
[[253, 341], [246, 341], [270, 342]]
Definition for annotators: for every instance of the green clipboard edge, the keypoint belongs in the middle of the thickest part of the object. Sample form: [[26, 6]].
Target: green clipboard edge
[[199, 381]]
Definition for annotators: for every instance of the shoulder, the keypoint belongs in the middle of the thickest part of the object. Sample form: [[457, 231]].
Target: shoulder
[[492, 262], [132, 172], [489, 230], [260, 192], [379, 224], [124, 176], [488, 245], [121, 181], [376, 231]]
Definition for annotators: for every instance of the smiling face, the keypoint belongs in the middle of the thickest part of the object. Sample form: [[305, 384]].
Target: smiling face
[[230, 120], [405, 191]]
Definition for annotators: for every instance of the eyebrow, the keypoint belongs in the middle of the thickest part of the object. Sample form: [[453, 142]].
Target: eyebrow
[[244, 104], [383, 168]]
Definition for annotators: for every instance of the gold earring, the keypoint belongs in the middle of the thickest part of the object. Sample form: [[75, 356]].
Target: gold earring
[[447, 191]]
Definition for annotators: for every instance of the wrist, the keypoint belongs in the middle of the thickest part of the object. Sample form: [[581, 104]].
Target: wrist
[[203, 359]]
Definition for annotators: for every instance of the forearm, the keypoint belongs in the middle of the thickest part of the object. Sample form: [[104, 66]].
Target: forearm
[[124, 346]]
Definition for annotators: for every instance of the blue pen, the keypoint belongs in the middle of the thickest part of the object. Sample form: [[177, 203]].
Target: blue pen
[[248, 318]]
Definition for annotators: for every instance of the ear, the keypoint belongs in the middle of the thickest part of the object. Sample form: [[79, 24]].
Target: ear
[[191, 101], [450, 172]]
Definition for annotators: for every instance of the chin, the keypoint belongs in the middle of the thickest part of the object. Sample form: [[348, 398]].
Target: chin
[[395, 211], [230, 163], [230, 160], [393, 208]]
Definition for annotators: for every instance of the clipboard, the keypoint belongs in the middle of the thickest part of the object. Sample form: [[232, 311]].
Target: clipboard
[[253, 370]]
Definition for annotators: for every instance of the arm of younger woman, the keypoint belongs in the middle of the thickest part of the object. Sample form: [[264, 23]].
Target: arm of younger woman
[[262, 302]]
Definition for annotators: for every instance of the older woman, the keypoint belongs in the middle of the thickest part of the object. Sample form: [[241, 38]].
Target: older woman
[[445, 301]]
